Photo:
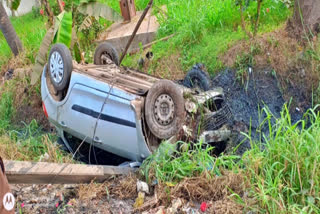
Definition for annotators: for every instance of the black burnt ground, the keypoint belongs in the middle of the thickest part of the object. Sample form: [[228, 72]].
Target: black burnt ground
[[246, 100]]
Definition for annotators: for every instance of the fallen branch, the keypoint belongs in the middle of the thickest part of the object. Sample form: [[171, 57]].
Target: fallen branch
[[151, 43], [23, 172]]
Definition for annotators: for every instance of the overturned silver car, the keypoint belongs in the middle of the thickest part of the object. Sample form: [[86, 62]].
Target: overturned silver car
[[127, 112]]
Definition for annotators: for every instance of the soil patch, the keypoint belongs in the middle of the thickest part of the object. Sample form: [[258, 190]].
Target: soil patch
[[288, 59], [28, 105], [26, 98], [32, 111]]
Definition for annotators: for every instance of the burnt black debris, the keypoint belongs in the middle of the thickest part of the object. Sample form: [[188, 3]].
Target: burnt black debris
[[261, 89]]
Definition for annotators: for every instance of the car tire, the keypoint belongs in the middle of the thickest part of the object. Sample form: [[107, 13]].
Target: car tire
[[60, 66], [107, 50], [197, 77], [164, 109]]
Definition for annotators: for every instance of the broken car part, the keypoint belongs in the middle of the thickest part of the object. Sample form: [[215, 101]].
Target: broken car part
[[198, 77], [103, 52]]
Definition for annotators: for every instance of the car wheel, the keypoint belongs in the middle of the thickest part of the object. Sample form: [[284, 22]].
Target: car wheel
[[197, 77], [164, 109], [105, 51], [60, 66]]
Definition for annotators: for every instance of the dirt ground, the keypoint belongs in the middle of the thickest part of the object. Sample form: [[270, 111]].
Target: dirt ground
[[118, 195]]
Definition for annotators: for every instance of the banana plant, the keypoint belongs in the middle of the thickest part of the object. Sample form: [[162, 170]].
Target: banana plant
[[13, 4], [65, 31]]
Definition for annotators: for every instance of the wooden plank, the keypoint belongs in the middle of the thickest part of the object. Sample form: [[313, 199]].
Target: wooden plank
[[23, 172], [151, 43]]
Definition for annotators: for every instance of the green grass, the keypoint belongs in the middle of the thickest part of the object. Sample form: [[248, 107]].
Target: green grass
[[282, 170], [31, 30], [30, 143], [206, 29], [6, 111], [173, 162], [27, 142], [285, 174]]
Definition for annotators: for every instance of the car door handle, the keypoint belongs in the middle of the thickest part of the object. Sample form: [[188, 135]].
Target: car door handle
[[63, 124], [97, 140]]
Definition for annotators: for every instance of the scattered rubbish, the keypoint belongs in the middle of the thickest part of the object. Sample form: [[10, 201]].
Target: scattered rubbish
[[203, 206], [44, 157], [141, 62], [149, 55], [131, 164], [9, 74], [176, 206], [169, 184], [161, 211], [154, 182], [142, 187], [140, 200], [176, 203]]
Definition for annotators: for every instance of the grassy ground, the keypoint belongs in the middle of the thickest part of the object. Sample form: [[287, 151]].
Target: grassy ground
[[281, 178], [31, 29], [206, 29], [23, 141]]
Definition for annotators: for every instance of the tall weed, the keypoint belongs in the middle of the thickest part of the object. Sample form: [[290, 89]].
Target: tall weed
[[285, 174], [173, 162], [6, 110]]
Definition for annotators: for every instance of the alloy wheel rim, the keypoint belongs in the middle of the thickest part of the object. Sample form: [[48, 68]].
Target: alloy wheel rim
[[56, 67]]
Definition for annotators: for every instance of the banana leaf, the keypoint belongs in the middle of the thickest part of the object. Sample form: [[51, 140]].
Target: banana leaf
[[64, 33], [87, 22], [15, 4]]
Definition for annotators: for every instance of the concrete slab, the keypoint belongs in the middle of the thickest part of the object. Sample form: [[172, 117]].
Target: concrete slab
[[118, 34]]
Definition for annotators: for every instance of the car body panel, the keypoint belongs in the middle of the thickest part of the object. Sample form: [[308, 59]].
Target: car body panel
[[108, 116], [118, 129]]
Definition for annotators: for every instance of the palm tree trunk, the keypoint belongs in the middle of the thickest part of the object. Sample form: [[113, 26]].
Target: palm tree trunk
[[9, 32], [306, 19]]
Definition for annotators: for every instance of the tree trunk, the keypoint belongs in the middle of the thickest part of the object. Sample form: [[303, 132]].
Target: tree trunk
[[306, 18], [9, 32], [48, 10], [60, 5]]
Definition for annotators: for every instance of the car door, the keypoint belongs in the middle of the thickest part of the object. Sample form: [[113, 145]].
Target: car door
[[79, 114], [116, 130]]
